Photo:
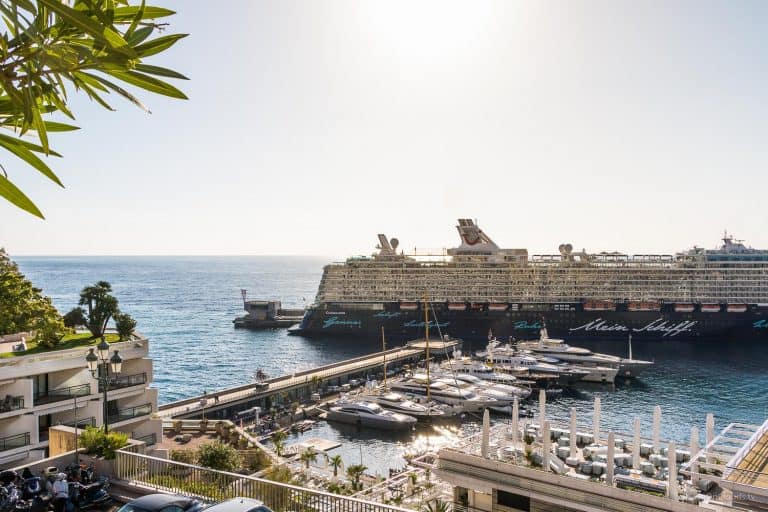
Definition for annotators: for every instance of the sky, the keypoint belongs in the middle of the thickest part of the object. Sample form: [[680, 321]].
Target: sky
[[313, 126]]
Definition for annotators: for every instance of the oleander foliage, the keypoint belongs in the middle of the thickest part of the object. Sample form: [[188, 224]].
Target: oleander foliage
[[50, 48]]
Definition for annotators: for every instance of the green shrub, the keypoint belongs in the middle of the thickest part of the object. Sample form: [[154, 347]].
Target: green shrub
[[217, 455], [96, 442], [185, 456]]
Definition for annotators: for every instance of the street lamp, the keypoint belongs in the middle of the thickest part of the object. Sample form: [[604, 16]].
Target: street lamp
[[107, 363]]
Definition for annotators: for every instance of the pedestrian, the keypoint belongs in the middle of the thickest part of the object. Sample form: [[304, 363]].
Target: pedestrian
[[60, 493]]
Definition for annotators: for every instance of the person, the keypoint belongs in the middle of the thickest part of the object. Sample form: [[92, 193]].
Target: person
[[60, 493], [26, 473]]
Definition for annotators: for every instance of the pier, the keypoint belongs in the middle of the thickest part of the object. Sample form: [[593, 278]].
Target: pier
[[297, 386]]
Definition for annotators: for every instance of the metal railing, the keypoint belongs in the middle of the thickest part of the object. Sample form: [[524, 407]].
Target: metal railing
[[57, 395], [11, 403], [130, 412], [212, 485], [125, 381], [81, 422], [14, 441]]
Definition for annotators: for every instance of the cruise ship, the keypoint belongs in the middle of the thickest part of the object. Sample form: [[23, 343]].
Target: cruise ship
[[478, 288]]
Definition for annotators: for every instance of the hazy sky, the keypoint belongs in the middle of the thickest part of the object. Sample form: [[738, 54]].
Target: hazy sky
[[312, 126]]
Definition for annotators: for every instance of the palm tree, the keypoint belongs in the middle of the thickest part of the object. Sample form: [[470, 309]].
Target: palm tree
[[316, 381], [355, 471], [336, 462], [308, 456], [278, 439], [436, 505]]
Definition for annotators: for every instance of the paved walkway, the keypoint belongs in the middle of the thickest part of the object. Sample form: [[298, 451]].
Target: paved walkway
[[286, 382]]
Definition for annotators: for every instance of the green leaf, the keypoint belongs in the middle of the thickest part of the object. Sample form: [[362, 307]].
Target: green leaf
[[16, 147], [158, 45], [139, 35], [149, 83], [15, 196], [53, 126], [99, 32], [157, 70], [39, 126], [122, 92], [126, 14]]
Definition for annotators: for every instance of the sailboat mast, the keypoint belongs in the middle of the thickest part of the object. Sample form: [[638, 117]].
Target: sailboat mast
[[426, 339], [384, 353]]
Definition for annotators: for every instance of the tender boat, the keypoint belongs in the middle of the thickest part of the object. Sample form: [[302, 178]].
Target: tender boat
[[369, 414]]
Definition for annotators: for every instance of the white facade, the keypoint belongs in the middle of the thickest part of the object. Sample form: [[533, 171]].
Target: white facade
[[41, 390]]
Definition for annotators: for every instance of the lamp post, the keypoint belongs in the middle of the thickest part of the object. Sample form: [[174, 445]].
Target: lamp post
[[106, 363]]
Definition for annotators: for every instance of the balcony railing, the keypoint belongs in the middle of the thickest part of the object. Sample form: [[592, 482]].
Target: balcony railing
[[130, 412], [15, 441], [57, 395], [81, 422], [125, 381], [11, 403], [212, 485]]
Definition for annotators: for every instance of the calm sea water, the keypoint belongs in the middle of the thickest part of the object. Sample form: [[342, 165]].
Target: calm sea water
[[185, 305]]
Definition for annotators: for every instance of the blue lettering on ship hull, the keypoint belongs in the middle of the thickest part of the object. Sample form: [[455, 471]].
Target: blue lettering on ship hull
[[387, 314], [524, 324], [760, 324], [414, 323], [334, 321]]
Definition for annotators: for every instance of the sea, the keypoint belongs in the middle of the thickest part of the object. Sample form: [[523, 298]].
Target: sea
[[185, 306]]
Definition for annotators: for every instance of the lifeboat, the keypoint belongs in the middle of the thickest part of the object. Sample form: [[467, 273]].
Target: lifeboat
[[736, 308], [683, 308], [644, 306], [457, 306], [710, 308], [599, 305], [497, 306], [409, 306]]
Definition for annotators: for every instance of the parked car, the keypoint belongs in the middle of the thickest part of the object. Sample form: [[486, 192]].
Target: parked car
[[238, 505], [163, 503]]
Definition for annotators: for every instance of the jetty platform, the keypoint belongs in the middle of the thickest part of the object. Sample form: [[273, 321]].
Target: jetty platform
[[297, 386]]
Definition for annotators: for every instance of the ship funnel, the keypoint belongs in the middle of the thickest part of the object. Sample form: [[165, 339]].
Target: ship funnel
[[394, 243]]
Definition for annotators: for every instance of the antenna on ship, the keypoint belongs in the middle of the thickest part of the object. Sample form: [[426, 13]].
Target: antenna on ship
[[243, 293], [426, 340], [630, 345], [384, 353]]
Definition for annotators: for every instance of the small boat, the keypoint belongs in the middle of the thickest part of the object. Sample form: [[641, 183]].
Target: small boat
[[710, 308], [498, 306], [368, 414], [442, 392], [457, 306], [736, 308], [684, 308], [408, 306]]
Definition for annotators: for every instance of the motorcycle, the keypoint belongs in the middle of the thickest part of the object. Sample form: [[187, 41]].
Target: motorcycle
[[34, 495], [88, 496], [9, 493]]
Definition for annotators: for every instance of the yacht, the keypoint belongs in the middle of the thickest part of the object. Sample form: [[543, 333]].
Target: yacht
[[442, 392], [511, 359], [478, 369], [396, 402], [369, 414], [560, 350], [504, 392]]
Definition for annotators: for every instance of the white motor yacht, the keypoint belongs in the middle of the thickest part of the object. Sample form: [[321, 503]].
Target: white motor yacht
[[557, 348], [369, 414], [442, 392], [396, 402]]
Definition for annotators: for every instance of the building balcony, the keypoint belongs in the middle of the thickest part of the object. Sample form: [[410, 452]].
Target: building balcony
[[11, 403], [125, 381], [130, 412], [58, 395], [15, 441]]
